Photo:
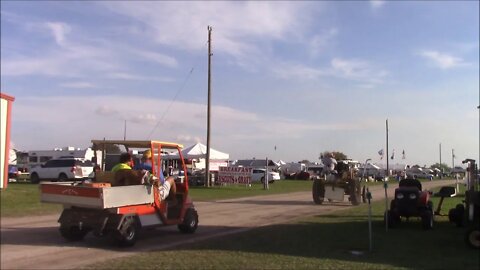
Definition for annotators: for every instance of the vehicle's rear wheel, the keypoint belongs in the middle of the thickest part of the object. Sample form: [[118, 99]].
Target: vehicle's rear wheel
[[127, 235], [318, 191], [62, 177], [472, 238], [73, 233], [34, 179], [190, 221]]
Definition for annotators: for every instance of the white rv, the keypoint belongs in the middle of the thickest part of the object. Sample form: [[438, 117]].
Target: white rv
[[38, 157]]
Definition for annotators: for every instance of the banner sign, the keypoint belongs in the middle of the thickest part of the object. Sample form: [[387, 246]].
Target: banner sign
[[234, 175]]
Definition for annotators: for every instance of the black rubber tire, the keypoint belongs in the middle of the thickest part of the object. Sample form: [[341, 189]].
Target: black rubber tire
[[354, 199], [73, 233], [364, 194], [457, 215], [427, 219], [190, 221], [318, 191], [34, 179], [62, 177], [127, 235], [472, 238]]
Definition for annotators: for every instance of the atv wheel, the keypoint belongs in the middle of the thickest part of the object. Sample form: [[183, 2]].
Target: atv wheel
[[318, 191], [127, 235], [472, 238], [190, 221], [73, 233], [427, 220]]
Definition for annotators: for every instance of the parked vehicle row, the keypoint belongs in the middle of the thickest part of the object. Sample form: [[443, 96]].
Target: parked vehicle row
[[62, 169]]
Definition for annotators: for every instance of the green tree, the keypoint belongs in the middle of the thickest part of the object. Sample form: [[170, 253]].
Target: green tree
[[305, 161], [442, 167], [337, 154]]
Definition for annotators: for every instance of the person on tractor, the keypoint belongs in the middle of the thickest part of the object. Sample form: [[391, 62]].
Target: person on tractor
[[329, 163]]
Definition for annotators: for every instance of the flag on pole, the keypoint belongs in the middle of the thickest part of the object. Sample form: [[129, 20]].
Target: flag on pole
[[380, 152], [403, 154], [393, 154]]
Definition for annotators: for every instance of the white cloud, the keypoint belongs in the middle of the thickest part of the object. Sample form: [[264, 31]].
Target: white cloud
[[443, 60], [105, 110], [79, 85], [357, 70], [162, 59], [129, 76], [98, 120], [376, 4], [297, 71], [59, 31], [144, 118], [237, 26], [319, 41]]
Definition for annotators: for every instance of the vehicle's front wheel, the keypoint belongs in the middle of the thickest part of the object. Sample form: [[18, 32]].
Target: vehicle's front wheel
[[318, 191], [190, 221], [34, 179]]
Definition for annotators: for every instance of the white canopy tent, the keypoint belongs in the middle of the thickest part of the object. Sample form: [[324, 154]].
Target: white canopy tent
[[199, 150]]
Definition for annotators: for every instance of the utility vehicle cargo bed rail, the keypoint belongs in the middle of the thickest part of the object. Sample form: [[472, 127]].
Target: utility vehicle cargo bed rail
[[95, 197]]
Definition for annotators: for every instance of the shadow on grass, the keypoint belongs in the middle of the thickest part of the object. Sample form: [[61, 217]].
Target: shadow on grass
[[408, 245]]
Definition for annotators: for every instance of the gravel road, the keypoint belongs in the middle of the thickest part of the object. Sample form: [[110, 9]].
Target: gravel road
[[35, 243]]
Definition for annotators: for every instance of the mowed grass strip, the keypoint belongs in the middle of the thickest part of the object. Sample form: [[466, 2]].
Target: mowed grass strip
[[338, 240], [23, 199]]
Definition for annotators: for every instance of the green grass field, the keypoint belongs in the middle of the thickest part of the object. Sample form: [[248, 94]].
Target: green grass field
[[335, 241], [21, 199]]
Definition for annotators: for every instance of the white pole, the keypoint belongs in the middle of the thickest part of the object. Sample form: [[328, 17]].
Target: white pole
[[265, 182], [385, 185]]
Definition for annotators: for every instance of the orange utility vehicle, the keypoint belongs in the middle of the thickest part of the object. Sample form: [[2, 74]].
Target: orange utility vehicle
[[106, 208]]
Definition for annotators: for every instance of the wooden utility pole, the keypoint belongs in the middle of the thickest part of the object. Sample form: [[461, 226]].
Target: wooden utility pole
[[440, 152], [125, 130], [207, 158]]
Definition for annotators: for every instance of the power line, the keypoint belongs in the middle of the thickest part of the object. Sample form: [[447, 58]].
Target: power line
[[171, 102], [179, 90]]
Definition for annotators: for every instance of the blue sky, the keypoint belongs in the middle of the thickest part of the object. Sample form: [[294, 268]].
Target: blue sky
[[305, 77]]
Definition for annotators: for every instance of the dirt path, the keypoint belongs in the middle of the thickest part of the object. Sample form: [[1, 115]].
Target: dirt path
[[34, 242]]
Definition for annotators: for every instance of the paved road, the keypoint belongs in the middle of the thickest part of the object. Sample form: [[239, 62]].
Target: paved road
[[34, 242]]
